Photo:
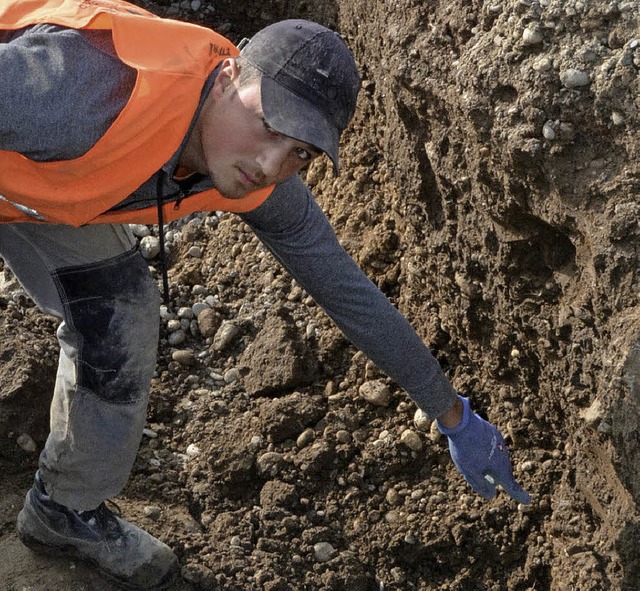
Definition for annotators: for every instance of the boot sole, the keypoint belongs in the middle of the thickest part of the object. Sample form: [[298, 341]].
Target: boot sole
[[71, 552]]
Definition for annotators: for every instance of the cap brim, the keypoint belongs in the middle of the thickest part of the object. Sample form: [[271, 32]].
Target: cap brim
[[293, 116]]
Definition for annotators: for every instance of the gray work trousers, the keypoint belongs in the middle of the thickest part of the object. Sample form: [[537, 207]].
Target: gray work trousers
[[95, 281]]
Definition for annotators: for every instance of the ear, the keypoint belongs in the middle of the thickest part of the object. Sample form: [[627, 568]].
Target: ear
[[226, 76]]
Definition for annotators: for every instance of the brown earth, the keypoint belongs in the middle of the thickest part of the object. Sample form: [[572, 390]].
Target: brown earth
[[496, 203]]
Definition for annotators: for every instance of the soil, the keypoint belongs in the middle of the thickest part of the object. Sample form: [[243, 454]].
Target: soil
[[490, 188]]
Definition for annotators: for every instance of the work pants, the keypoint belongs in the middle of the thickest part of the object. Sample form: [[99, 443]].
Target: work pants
[[95, 281]]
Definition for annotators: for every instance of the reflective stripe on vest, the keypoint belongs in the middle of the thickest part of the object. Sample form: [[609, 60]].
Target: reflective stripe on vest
[[173, 60]]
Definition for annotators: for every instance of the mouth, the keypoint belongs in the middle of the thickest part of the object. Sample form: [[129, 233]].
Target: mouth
[[248, 180]]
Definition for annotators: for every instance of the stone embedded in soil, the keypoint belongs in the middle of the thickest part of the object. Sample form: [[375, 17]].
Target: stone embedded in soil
[[376, 392], [323, 551], [26, 442], [184, 356], [411, 439], [574, 78], [421, 420], [225, 336]]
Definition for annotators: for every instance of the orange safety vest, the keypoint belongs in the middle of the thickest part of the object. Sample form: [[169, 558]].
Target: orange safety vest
[[173, 60]]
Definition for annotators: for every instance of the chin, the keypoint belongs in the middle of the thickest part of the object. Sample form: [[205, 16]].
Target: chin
[[229, 190]]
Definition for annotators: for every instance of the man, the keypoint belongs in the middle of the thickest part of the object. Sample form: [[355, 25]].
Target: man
[[110, 115]]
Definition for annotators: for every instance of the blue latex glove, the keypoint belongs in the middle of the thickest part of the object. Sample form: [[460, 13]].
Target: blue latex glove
[[480, 454]]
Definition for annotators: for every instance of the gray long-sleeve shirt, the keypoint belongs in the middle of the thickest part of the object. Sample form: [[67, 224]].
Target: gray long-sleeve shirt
[[60, 89]]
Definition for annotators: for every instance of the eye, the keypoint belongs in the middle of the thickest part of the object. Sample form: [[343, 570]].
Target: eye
[[304, 154]]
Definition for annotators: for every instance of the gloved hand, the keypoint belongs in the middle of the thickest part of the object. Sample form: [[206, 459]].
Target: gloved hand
[[479, 452]]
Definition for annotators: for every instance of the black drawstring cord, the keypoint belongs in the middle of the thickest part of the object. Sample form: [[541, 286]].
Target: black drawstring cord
[[163, 258]]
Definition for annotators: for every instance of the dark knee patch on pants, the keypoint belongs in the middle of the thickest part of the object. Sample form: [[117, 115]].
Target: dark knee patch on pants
[[112, 307]]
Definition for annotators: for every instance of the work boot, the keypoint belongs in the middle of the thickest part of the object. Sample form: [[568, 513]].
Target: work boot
[[124, 553]]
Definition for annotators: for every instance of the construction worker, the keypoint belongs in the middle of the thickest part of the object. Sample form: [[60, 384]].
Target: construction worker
[[110, 115]]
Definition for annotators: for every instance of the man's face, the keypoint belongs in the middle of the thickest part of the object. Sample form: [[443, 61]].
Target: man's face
[[235, 146]]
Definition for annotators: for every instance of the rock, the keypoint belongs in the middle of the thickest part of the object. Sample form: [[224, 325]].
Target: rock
[[152, 512], [209, 321], [392, 496], [225, 336], [149, 247], [192, 450], [531, 35], [139, 230], [421, 420], [434, 433], [27, 443], [305, 438], [574, 78], [323, 551], [184, 356], [376, 392], [177, 338], [411, 439]]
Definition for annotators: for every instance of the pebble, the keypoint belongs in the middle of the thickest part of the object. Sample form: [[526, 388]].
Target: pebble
[[192, 450], [177, 338], [531, 36], [617, 118], [152, 512], [184, 356], [305, 438], [434, 433], [421, 420], [343, 436], [392, 517], [548, 130], [411, 439], [208, 322], [527, 466], [542, 64], [185, 312], [195, 252], [376, 392], [574, 78], [235, 542], [149, 247], [198, 308], [225, 335], [231, 375], [173, 325], [323, 551], [139, 230], [165, 313], [150, 433], [392, 496], [26, 442]]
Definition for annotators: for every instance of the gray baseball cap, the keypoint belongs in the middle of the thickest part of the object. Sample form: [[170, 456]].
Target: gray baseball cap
[[309, 83]]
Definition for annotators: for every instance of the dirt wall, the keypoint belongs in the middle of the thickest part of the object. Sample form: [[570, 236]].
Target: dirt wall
[[490, 188]]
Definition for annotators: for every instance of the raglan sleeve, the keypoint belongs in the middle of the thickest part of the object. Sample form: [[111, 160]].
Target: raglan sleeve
[[59, 91], [294, 228]]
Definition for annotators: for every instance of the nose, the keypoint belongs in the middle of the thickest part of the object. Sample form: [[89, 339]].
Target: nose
[[272, 159]]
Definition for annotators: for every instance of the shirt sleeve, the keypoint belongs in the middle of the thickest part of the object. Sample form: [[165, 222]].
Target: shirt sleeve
[[294, 228], [60, 90]]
